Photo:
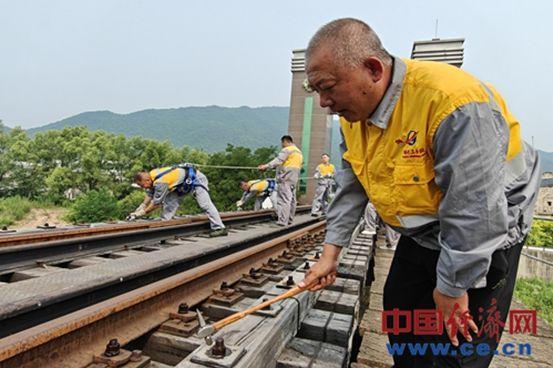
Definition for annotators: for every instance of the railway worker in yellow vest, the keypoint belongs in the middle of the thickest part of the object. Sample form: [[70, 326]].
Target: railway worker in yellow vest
[[167, 186], [324, 174], [260, 190], [442, 159], [288, 163]]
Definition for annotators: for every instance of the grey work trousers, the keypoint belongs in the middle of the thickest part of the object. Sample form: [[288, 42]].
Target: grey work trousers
[[392, 236], [321, 199], [259, 200], [286, 203], [173, 200]]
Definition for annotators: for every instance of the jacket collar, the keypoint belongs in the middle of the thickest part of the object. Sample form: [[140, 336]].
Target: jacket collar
[[381, 116]]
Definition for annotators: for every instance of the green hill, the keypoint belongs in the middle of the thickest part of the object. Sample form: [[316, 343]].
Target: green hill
[[209, 127]]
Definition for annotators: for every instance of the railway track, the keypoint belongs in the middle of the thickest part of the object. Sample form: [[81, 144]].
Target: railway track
[[146, 298], [54, 247]]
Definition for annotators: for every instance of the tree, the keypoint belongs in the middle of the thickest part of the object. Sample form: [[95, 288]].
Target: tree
[[103, 165]]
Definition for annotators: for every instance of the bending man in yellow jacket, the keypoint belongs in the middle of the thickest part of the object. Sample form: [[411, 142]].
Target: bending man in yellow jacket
[[261, 190], [288, 164], [441, 158], [167, 186]]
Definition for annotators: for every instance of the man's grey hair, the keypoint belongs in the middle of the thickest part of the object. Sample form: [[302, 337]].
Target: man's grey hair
[[350, 40]]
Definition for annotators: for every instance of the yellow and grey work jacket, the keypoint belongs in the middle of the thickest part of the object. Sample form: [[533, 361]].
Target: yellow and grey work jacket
[[182, 179], [443, 162], [288, 163], [259, 188], [324, 174]]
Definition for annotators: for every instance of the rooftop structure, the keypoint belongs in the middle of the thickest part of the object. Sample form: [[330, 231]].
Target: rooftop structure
[[447, 51]]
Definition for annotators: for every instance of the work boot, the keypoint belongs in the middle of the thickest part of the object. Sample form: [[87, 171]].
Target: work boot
[[218, 232]]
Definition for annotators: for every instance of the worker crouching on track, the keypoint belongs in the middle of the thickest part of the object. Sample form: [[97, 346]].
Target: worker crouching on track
[[288, 164], [260, 190], [167, 186], [443, 162], [324, 174]]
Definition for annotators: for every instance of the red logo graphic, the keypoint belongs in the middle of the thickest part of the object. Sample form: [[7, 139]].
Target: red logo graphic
[[431, 322], [428, 322], [411, 138], [397, 327], [463, 320], [522, 321], [492, 323]]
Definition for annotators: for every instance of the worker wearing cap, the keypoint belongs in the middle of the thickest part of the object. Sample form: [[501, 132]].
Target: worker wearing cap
[[260, 190], [288, 164], [324, 174], [442, 160], [167, 186]]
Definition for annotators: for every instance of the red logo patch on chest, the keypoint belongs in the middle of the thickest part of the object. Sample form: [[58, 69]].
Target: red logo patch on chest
[[410, 138]]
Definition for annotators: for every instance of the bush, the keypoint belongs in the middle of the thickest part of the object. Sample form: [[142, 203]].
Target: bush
[[94, 206], [536, 294], [130, 202], [13, 209], [541, 234]]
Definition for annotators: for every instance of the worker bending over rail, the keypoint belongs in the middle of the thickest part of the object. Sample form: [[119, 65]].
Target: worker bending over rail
[[167, 186], [442, 159], [260, 190], [324, 174], [288, 164]]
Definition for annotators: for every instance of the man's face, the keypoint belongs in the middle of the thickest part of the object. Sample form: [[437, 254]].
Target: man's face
[[347, 91], [145, 182], [285, 144], [325, 158], [244, 186]]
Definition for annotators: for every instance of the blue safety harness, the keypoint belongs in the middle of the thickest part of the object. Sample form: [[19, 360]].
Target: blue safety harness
[[190, 181], [271, 186]]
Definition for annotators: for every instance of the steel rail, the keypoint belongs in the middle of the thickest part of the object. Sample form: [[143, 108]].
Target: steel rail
[[20, 314], [70, 340], [11, 239], [64, 250]]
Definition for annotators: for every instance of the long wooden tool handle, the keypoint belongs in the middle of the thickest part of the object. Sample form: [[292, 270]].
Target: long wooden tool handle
[[239, 315]]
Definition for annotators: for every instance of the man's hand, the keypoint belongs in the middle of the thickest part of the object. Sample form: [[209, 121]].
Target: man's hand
[[136, 214], [263, 167], [455, 312], [323, 273], [239, 204]]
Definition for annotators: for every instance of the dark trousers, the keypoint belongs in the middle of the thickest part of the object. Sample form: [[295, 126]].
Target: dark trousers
[[409, 286]]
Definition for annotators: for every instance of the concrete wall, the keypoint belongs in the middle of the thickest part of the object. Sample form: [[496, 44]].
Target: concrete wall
[[530, 267]]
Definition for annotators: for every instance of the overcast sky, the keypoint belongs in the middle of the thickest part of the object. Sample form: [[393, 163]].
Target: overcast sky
[[60, 58]]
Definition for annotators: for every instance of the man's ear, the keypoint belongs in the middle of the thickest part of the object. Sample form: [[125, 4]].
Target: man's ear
[[375, 67]]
